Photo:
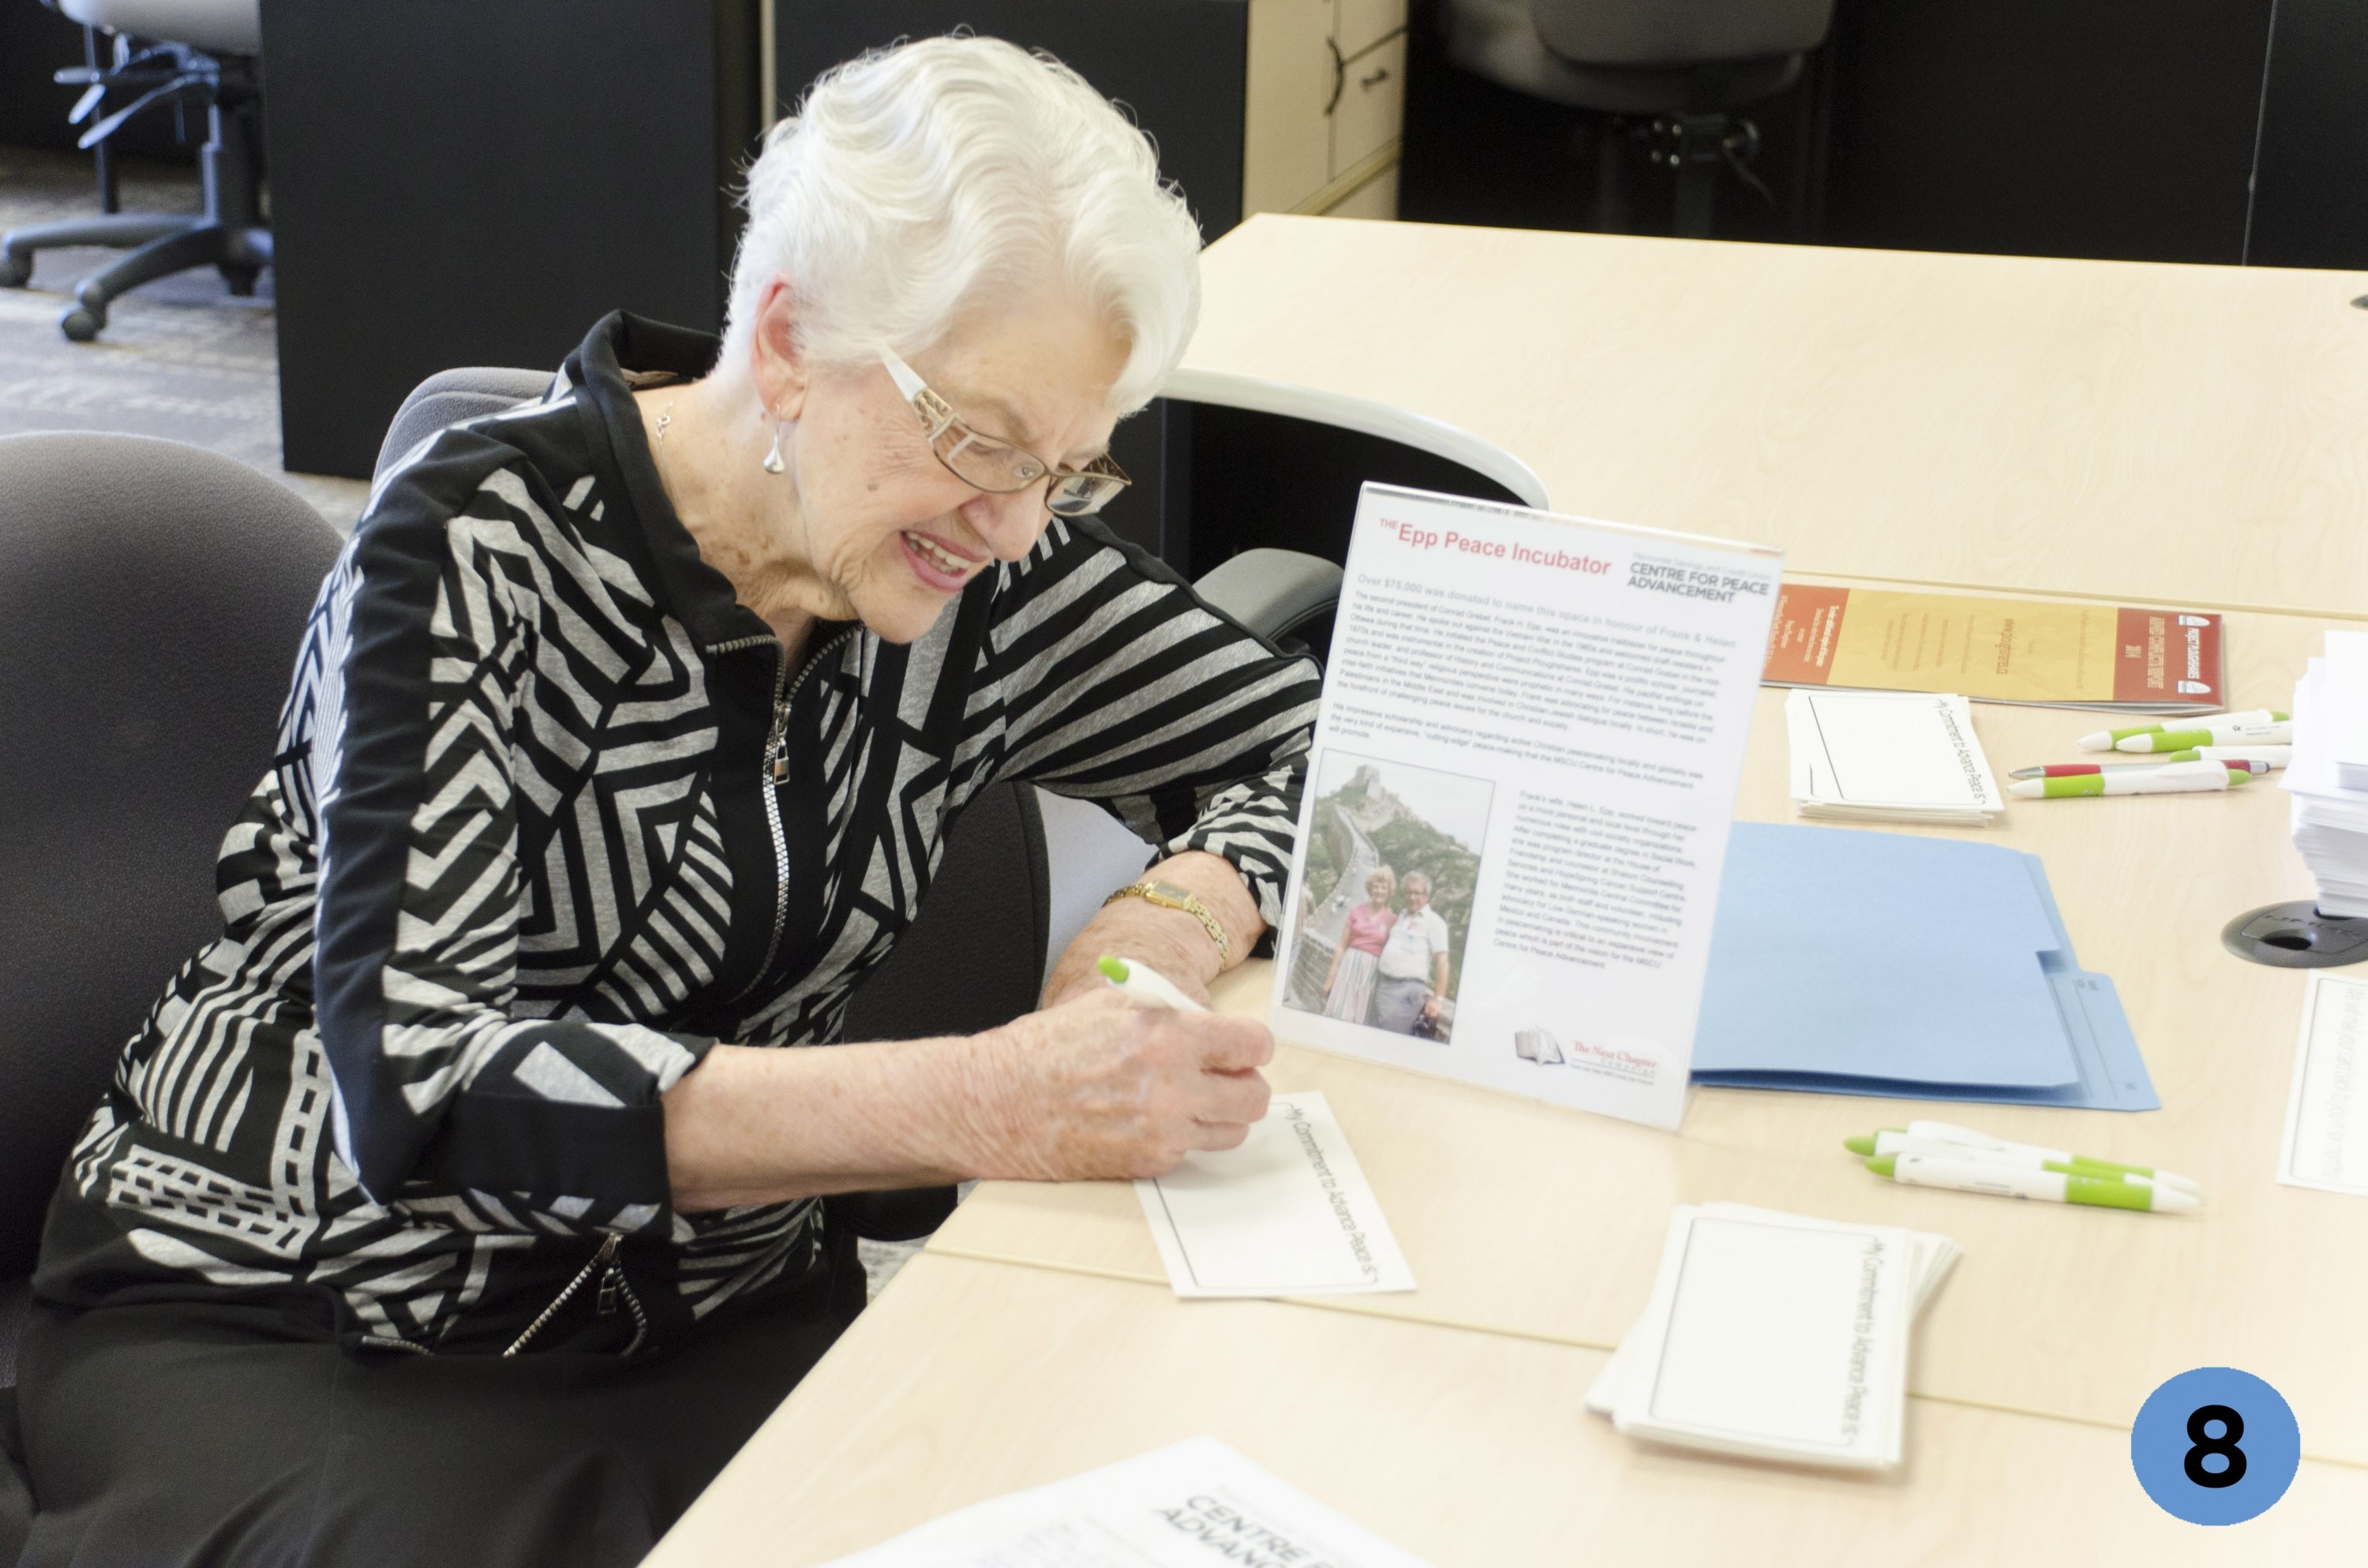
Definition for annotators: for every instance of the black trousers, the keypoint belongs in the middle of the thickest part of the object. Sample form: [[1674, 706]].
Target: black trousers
[[206, 1435]]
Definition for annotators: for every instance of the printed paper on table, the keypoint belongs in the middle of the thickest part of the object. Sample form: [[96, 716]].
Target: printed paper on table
[[1192, 1504], [2040, 652], [1524, 772], [2326, 1135]]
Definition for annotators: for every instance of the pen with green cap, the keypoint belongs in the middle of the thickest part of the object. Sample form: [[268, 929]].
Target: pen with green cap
[[2216, 733], [2086, 769], [1968, 1138], [1144, 984], [1892, 1140], [2108, 740], [2171, 779], [2099, 1191], [2259, 758]]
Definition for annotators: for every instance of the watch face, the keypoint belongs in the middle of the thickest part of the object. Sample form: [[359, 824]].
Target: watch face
[[1168, 893]]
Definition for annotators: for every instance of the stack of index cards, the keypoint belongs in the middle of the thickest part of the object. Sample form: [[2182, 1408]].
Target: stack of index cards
[[1889, 757], [1775, 1336]]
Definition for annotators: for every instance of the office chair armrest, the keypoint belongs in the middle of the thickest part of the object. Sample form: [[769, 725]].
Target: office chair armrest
[[1273, 592], [905, 1216]]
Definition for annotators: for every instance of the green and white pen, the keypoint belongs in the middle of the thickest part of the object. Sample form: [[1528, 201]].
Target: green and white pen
[[2171, 779], [1145, 983], [1966, 1136], [2261, 756], [2107, 740], [1891, 1141], [2016, 1181], [2083, 769], [2231, 757], [2217, 733]]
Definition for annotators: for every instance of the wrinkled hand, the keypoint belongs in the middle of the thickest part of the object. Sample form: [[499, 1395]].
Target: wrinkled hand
[[1103, 1087]]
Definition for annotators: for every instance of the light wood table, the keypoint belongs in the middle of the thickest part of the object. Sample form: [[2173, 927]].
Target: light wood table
[[1531, 1221], [966, 1380], [2187, 435]]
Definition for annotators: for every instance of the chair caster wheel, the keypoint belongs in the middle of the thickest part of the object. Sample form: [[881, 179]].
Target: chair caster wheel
[[79, 324], [16, 271]]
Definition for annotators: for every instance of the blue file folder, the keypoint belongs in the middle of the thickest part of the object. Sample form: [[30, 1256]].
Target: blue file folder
[[1854, 962]]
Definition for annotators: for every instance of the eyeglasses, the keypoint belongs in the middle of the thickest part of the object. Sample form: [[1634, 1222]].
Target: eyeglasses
[[998, 467]]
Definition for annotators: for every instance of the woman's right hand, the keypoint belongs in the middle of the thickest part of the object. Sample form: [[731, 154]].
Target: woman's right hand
[[1103, 1087]]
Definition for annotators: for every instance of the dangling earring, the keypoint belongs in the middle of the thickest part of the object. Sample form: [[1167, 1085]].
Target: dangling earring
[[773, 463]]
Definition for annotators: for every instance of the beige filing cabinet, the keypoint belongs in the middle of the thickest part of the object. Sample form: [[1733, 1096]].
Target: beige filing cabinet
[[1326, 98]]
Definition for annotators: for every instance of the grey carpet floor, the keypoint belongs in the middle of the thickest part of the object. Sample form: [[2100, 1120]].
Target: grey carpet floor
[[180, 357]]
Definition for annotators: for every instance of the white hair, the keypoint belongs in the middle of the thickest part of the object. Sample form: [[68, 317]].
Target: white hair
[[918, 181]]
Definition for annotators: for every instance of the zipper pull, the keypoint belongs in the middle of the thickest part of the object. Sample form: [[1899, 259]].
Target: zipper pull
[[607, 1263], [782, 765]]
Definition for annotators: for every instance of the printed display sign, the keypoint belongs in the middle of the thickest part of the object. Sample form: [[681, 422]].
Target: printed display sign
[[1524, 771]]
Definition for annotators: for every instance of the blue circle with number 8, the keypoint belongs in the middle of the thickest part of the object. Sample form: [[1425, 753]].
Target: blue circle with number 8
[[2215, 1445]]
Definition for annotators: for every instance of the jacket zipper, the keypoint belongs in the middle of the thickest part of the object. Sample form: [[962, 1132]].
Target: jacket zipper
[[613, 1288], [773, 771]]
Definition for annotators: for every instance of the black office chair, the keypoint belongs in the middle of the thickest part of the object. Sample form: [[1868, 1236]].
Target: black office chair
[[152, 596], [1674, 71], [204, 53]]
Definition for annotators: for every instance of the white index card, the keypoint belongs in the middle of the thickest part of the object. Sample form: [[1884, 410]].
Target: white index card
[[2327, 1137], [1288, 1213]]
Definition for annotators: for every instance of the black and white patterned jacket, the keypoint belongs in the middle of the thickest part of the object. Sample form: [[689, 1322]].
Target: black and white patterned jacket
[[524, 855]]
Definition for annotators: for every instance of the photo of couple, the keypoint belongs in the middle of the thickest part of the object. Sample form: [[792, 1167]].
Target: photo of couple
[[1391, 968], [1387, 903]]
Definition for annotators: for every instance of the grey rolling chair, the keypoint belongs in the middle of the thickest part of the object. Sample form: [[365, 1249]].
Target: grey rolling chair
[[448, 397], [1681, 66], [152, 596], [205, 52]]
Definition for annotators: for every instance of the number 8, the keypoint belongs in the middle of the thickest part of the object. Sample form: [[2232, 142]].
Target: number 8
[[2226, 1445]]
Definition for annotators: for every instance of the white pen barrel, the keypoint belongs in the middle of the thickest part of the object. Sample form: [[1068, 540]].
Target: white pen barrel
[[2171, 779], [1970, 1176], [1936, 1148], [1948, 1132]]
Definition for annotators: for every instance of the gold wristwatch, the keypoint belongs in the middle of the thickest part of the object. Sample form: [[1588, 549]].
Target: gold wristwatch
[[1167, 896]]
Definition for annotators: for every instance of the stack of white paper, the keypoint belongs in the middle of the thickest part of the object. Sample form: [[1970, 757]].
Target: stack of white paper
[[1775, 1336], [1888, 756], [2330, 751], [2346, 692], [1195, 1505]]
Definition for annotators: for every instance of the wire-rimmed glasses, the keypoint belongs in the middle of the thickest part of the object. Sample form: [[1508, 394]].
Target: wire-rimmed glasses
[[1001, 467]]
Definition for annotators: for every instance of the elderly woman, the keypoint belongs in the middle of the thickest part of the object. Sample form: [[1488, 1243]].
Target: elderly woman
[[1348, 984], [460, 1205]]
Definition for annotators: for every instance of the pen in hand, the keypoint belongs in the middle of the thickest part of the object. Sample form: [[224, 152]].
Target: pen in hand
[[1144, 984]]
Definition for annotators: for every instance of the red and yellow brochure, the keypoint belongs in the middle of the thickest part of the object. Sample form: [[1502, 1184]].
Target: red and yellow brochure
[[2047, 652]]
